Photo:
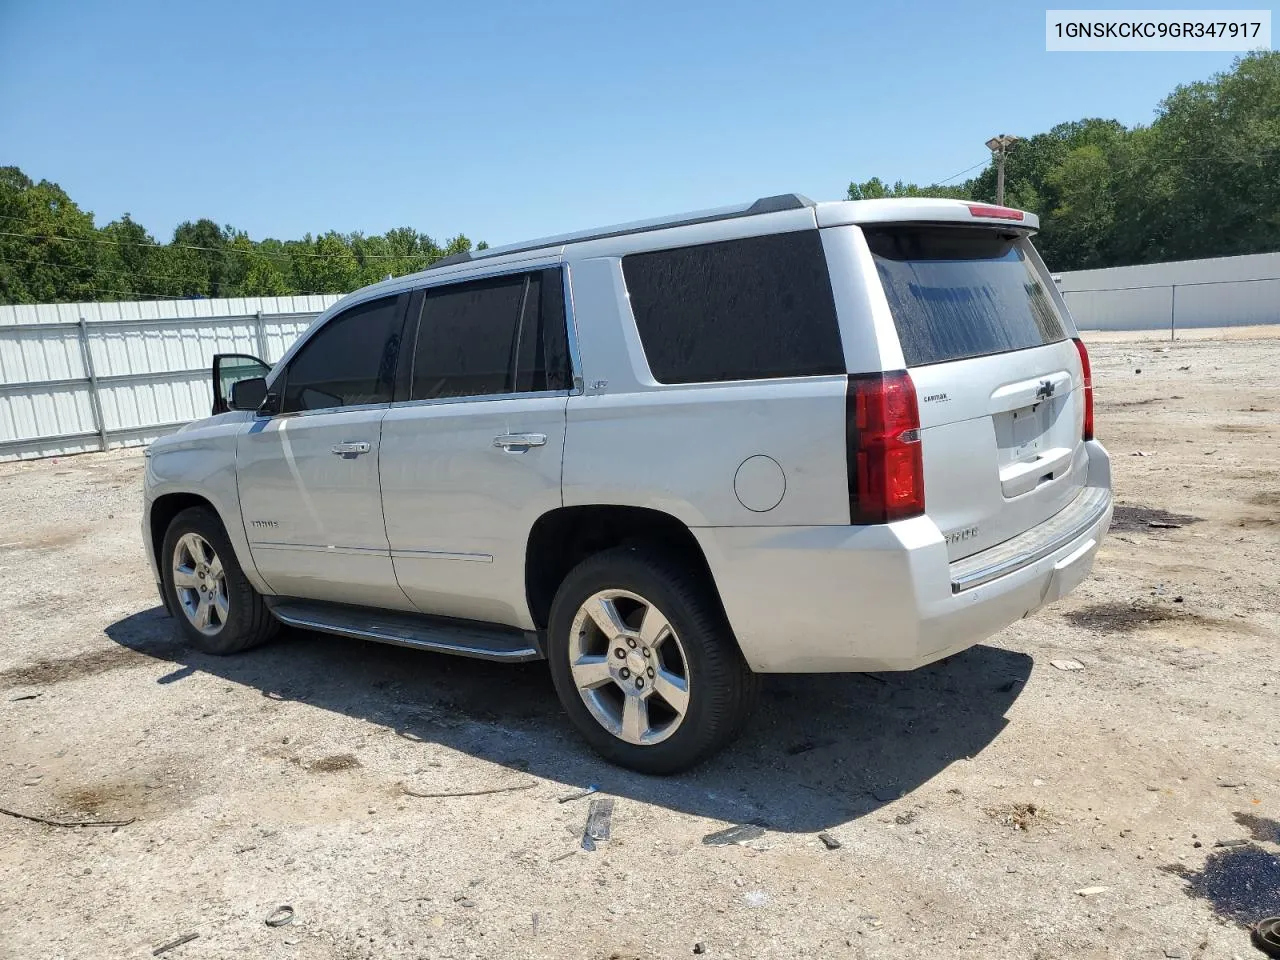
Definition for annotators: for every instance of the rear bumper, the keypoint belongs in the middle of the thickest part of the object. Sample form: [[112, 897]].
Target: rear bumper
[[835, 599]]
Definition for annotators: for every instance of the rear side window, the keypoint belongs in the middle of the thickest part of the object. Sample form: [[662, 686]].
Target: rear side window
[[494, 336], [467, 338], [351, 360], [957, 292], [745, 309]]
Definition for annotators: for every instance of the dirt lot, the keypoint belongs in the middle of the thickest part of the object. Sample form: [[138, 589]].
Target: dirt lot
[[976, 801]]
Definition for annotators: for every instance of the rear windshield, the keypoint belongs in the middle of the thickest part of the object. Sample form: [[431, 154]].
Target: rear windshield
[[958, 292]]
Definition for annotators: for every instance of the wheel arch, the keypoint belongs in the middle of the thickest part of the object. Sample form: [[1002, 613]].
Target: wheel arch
[[163, 510], [166, 506], [560, 539]]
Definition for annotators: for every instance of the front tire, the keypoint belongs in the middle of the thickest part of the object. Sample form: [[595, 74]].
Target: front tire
[[644, 661], [216, 607]]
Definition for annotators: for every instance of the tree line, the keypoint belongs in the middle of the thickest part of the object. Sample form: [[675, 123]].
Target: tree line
[[1202, 180], [51, 251]]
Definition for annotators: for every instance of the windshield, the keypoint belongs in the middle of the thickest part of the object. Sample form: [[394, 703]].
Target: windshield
[[958, 292]]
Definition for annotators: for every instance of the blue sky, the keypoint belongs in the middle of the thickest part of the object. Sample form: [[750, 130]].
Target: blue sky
[[510, 120]]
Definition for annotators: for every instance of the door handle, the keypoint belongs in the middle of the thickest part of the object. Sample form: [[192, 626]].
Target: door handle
[[519, 442], [350, 449]]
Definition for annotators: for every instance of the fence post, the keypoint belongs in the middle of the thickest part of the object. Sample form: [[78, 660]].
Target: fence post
[[1173, 311], [95, 401], [262, 336]]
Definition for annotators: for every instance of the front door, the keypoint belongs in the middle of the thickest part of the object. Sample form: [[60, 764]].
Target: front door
[[473, 458], [308, 476]]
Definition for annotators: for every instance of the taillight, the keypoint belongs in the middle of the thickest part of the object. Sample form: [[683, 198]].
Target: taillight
[[994, 213], [886, 467], [1087, 432]]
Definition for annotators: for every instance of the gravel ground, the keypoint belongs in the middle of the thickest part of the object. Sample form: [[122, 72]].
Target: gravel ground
[[989, 806]]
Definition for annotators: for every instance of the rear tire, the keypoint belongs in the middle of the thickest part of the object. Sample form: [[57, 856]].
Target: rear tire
[[216, 607], [664, 643]]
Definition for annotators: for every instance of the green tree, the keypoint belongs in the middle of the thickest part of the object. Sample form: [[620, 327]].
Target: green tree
[[1212, 157], [50, 251], [875, 189], [323, 264], [128, 259], [46, 249], [1080, 227], [262, 269], [458, 244]]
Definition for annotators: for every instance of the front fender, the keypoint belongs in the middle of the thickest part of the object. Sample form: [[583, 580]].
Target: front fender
[[200, 460]]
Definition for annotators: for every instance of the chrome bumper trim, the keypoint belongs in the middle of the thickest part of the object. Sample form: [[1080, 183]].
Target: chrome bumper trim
[[1035, 544]]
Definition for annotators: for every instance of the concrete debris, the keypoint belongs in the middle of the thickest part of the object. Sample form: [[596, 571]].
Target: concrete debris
[[599, 822], [738, 834]]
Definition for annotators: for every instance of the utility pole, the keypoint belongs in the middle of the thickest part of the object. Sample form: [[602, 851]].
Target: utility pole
[[999, 146]]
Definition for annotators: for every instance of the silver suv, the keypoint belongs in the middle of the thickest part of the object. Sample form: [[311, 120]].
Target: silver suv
[[665, 457]]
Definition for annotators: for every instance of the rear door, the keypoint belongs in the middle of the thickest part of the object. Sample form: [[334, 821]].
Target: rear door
[[474, 456], [996, 374]]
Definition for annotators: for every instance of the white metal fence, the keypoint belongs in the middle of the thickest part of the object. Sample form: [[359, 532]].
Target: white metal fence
[[90, 376], [1222, 292]]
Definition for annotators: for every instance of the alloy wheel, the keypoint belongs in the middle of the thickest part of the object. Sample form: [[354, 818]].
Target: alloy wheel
[[200, 583], [629, 666]]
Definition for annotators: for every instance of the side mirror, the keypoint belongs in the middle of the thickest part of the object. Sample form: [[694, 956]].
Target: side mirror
[[248, 394], [229, 369]]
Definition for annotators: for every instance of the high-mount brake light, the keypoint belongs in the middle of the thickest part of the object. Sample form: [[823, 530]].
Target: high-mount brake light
[[995, 213]]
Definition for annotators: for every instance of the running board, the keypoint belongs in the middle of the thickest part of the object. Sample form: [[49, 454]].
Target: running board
[[462, 637]]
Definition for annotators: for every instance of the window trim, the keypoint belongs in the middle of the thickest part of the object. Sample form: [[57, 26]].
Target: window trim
[[278, 386], [477, 398], [419, 294], [577, 384]]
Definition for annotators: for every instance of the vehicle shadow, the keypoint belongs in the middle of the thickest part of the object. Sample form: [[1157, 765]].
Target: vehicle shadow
[[822, 749]]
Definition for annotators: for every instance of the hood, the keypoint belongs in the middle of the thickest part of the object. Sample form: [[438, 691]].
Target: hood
[[231, 416], [195, 426]]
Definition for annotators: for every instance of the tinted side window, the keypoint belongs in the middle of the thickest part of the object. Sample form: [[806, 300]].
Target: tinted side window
[[350, 360], [736, 310], [467, 339], [543, 361], [493, 336]]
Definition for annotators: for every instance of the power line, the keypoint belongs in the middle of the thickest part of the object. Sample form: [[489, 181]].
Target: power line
[[1222, 158], [135, 294], [138, 294], [256, 251], [980, 163], [93, 268], [235, 290], [1237, 157]]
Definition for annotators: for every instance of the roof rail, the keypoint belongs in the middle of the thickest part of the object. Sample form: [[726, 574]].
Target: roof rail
[[775, 204]]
